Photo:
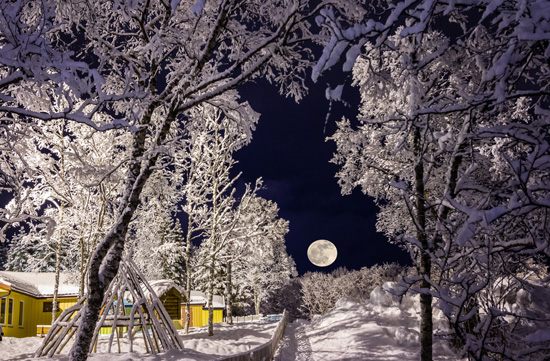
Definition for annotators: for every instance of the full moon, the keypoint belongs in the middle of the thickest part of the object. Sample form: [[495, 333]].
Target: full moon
[[322, 253]]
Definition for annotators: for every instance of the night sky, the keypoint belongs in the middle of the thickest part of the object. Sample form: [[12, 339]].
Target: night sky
[[289, 152]]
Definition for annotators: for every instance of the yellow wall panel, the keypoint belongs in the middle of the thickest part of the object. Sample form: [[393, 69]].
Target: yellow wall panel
[[27, 317], [178, 324], [33, 314], [199, 315], [218, 316]]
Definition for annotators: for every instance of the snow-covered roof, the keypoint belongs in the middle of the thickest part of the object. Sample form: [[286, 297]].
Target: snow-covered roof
[[162, 286], [41, 284], [38, 284], [199, 298]]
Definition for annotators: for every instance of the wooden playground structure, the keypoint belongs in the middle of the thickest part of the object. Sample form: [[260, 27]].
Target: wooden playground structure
[[143, 314]]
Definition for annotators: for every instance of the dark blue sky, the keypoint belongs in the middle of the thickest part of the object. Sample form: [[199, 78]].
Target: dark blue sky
[[289, 152]]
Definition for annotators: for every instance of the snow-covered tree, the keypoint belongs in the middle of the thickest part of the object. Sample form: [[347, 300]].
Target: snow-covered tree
[[452, 141], [320, 291], [257, 252], [236, 233], [67, 193], [159, 248], [195, 191], [219, 136], [289, 298], [60, 196]]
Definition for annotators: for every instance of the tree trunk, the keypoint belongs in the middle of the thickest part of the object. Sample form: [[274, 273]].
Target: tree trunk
[[188, 284], [426, 322], [103, 268], [228, 303], [211, 299], [82, 270], [256, 297], [108, 253], [187, 313], [60, 232], [87, 245], [56, 283]]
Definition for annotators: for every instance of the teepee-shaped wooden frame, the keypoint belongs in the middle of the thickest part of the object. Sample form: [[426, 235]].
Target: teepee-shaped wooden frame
[[147, 314]]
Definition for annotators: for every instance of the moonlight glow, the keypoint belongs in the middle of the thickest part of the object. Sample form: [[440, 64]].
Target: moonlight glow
[[322, 253]]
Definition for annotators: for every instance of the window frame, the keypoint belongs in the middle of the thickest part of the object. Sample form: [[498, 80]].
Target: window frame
[[49, 307], [21, 320], [3, 302], [9, 315]]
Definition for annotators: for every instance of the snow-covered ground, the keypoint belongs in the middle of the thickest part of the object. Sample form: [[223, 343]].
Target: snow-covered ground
[[227, 340], [380, 329]]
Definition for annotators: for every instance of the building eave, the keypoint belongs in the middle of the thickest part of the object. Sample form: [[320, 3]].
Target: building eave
[[41, 296]]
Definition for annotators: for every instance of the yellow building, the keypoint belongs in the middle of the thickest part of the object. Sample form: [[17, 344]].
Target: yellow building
[[172, 297], [199, 309], [26, 301]]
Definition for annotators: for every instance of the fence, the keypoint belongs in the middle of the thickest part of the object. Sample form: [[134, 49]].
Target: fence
[[266, 351], [251, 318]]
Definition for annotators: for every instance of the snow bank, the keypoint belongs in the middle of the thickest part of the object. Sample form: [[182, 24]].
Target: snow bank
[[382, 329]]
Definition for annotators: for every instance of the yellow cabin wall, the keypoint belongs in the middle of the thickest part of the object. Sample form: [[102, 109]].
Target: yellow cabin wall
[[199, 316], [196, 316], [45, 318], [178, 324], [218, 316], [32, 314], [29, 314]]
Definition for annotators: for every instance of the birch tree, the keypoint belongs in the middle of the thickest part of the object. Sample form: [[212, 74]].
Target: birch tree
[[222, 138], [67, 198], [234, 240], [159, 248], [61, 196], [195, 193], [262, 264]]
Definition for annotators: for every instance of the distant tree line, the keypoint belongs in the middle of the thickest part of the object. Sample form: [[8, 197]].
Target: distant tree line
[[316, 293]]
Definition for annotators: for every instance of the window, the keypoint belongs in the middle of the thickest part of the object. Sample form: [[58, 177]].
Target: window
[[21, 304], [10, 312], [48, 306], [2, 311]]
